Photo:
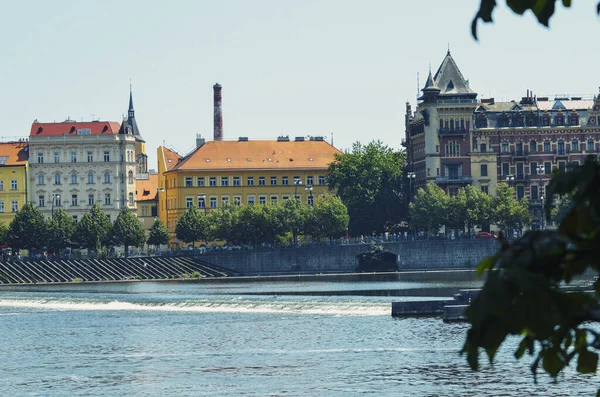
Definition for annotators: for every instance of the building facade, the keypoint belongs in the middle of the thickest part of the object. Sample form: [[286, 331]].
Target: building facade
[[74, 165], [146, 199], [13, 178], [243, 172]]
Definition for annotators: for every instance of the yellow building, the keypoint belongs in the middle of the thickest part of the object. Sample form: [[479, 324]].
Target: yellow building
[[146, 200], [13, 178], [243, 172]]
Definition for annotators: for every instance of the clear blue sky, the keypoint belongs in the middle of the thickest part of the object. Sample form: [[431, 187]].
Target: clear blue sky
[[287, 67]]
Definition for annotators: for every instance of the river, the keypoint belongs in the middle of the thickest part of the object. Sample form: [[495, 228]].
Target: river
[[245, 339]]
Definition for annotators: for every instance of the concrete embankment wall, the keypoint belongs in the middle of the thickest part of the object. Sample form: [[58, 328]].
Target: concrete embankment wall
[[412, 255]]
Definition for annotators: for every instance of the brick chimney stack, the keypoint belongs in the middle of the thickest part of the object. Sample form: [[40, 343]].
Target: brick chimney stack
[[218, 118]]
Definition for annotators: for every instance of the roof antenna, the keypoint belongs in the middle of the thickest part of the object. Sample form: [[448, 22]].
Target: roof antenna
[[332, 139], [448, 48], [418, 86]]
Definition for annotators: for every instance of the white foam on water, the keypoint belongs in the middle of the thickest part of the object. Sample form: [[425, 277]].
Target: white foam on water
[[344, 309]]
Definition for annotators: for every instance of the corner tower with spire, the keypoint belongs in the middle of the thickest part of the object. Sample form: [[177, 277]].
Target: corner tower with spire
[[130, 127]]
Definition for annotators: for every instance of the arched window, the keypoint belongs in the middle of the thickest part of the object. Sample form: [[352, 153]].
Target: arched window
[[106, 177], [575, 145], [574, 119], [57, 179], [40, 179], [519, 147], [546, 146], [532, 146], [451, 125], [560, 119], [90, 177], [561, 147], [130, 199], [73, 177], [130, 177], [545, 120], [505, 147], [590, 145]]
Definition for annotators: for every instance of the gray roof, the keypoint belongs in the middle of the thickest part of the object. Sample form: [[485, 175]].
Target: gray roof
[[449, 79], [129, 126], [430, 84]]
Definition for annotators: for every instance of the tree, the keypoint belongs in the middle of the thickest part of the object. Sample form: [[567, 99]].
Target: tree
[[93, 230], [159, 234], [328, 218], [522, 294], [478, 207], [27, 229], [3, 233], [561, 210], [428, 210], [192, 226], [223, 224], [542, 9], [295, 215], [369, 182], [127, 230], [508, 213], [59, 229]]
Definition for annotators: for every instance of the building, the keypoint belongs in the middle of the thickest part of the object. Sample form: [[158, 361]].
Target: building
[[453, 139], [130, 127], [13, 178], [243, 172], [146, 200], [74, 165]]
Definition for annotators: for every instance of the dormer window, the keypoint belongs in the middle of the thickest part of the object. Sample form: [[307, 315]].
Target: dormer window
[[560, 119], [574, 119], [546, 120]]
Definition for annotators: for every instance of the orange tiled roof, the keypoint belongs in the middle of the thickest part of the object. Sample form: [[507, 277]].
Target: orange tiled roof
[[218, 155], [71, 127], [171, 157], [145, 189], [14, 153]]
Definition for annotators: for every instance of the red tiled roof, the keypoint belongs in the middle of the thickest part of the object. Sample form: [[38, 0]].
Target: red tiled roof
[[71, 128], [272, 154], [145, 189], [171, 157], [16, 153]]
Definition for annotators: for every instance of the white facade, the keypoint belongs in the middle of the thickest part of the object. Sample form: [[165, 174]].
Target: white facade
[[74, 171]]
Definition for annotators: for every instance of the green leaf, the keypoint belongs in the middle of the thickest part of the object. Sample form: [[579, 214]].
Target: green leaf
[[587, 363], [552, 364]]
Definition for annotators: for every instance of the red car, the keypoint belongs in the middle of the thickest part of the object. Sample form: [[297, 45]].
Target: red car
[[484, 235]]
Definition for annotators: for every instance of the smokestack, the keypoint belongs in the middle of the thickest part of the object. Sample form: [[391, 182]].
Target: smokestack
[[218, 119]]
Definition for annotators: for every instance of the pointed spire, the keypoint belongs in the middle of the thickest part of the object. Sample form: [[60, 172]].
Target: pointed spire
[[130, 98], [430, 84]]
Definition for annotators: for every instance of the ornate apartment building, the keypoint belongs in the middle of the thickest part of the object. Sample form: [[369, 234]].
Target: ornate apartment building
[[453, 139]]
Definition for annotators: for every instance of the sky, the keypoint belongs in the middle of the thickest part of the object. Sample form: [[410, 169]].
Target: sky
[[296, 68]]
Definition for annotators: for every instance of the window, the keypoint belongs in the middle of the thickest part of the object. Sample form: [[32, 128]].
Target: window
[[250, 200], [90, 177], [575, 145], [483, 170], [321, 179], [520, 192], [2, 185], [14, 206], [13, 184], [284, 180], [236, 181], [505, 147], [74, 200], [202, 201], [131, 199], [57, 179], [106, 177], [534, 192], [533, 168], [213, 202], [546, 146], [224, 181], [40, 159], [562, 166], [547, 168], [1, 206], [40, 179], [57, 157], [575, 164], [75, 219], [561, 147], [519, 148], [273, 180], [73, 177], [90, 157], [189, 201], [250, 181], [532, 146], [90, 199], [237, 200], [261, 181], [106, 198], [73, 157], [130, 177], [590, 145], [41, 202], [273, 199], [106, 156], [505, 169], [484, 189], [483, 148], [212, 181], [224, 201], [188, 182], [285, 197], [200, 181], [310, 180], [262, 200]]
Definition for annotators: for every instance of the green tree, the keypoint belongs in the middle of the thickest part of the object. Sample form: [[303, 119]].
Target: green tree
[[428, 210], [223, 224], [295, 215], [192, 226], [328, 218], [508, 213], [478, 207], [93, 230], [3, 233], [561, 209], [159, 234], [27, 229], [127, 230], [59, 231], [369, 182]]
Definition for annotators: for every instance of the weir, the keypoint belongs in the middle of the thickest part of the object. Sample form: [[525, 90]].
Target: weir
[[94, 270]]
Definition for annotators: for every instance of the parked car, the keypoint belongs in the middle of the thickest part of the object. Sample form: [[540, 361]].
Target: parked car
[[484, 235]]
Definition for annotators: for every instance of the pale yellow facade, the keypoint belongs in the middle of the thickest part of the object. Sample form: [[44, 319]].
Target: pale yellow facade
[[13, 191]]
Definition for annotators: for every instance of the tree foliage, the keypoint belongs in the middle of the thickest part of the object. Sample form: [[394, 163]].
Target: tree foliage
[[542, 9], [158, 235], [127, 230], [428, 210], [93, 230], [508, 213], [369, 182], [59, 231], [328, 218], [3, 233], [27, 229], [523, 292], [192, 226]]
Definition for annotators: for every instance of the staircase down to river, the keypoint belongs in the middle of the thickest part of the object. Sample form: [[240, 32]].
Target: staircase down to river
[[121, 269]]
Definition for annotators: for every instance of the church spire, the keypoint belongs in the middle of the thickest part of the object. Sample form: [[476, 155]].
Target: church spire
[[131, 112]]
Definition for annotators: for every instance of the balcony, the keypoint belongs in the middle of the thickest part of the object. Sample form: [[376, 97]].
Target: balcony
[[519, 153], [453, 179], [561, 152], [452, 132], [522, 177]]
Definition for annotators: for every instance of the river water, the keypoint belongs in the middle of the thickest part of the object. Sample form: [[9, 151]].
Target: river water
[[245, 339]]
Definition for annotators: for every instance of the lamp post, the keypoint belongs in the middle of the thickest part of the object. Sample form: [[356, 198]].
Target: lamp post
[[203, 197], [296, 183], [411, 177], [510, 179], [540, 170], [309, 189], [55, 196]]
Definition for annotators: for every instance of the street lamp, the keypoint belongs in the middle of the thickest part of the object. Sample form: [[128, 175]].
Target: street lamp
[[540, 171], [510, 179], [542, 213], [296, 183], [55, 197], [309, 189], [411, 176], [202, 197]]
